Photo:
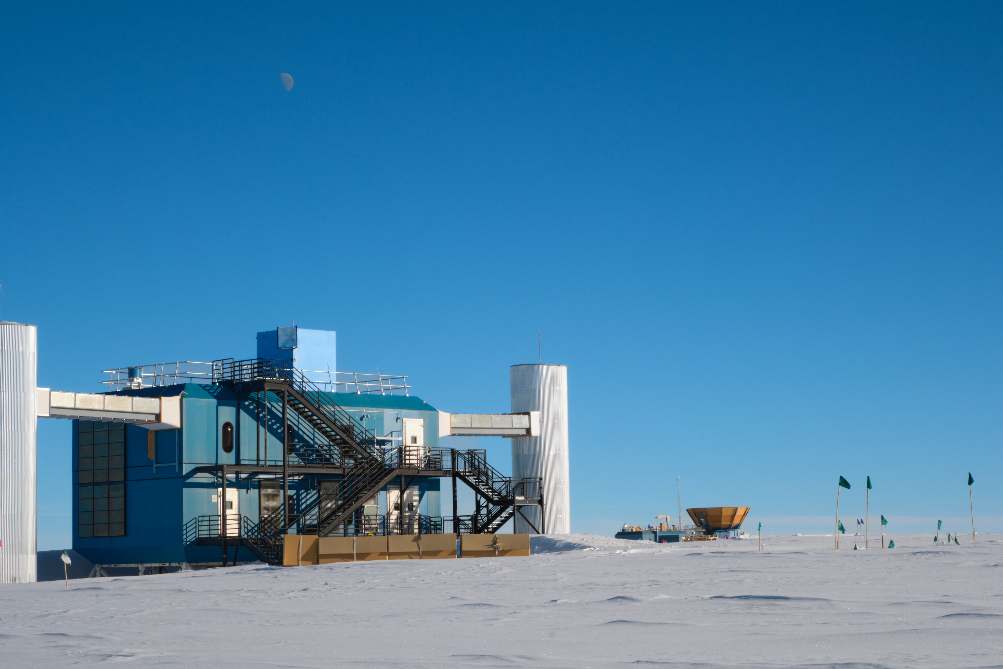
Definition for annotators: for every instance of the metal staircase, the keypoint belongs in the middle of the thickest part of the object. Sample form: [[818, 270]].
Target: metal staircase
[[367, 469], [312, 404], [493, 487]]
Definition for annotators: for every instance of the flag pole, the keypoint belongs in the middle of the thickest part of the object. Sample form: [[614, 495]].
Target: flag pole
[[867, 512], [971, 507], [835, 529]]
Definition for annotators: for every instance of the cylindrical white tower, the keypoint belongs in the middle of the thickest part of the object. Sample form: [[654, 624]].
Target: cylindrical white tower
[[543, 388], [18, 379]]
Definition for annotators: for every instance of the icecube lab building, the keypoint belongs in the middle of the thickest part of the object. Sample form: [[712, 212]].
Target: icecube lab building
[[193, 463]]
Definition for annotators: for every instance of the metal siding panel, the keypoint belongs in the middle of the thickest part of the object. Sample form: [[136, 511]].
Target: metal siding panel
[[18, 380], [543, 388]]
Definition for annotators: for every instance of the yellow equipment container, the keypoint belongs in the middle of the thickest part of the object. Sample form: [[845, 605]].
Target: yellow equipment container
[[718, 518]]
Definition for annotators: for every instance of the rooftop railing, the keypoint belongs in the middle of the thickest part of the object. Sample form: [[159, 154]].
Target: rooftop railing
[[157, 374]]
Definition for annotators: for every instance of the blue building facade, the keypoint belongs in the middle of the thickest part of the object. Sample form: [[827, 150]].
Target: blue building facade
[[138, 492]]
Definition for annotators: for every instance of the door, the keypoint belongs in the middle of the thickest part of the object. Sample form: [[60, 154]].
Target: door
[[413, 432], [229, 512]]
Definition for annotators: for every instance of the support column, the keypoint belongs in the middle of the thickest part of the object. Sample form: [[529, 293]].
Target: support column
[[223, 529], [285, 459], [400, 502], [456, 518]]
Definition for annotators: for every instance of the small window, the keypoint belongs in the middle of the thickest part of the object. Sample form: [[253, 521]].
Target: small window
[[414, 441], [227, 437]]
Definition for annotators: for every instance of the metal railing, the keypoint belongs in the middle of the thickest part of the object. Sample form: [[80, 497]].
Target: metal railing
[[254, 369], [156, 374]]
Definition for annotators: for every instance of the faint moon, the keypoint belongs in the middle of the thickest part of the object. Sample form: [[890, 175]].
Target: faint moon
[[287, 81]]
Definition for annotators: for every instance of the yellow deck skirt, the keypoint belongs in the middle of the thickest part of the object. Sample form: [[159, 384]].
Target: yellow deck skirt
[[310, 549]]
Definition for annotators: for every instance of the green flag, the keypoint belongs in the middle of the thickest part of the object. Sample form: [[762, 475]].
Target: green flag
[[970, 479], [760, 529], [869, 483], [884, 521], [940, 524], [843, 483], [842, 530], [891, 544]]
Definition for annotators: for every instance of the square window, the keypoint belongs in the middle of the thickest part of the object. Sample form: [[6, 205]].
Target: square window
[[85, 531], [100, 450], [84, 492], [86, 451], [86, 438], [100, 530], [116, 530], [85, 464], [116, 503], [116, 516], [116, 449], [100, 491], [101, 504], [116, 475], [86, 504], [116, 490], [85, 477], [100, 516], [85, 518], [116, 462]]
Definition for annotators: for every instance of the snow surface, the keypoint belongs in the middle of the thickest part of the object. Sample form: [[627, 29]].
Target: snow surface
[[579, 601]]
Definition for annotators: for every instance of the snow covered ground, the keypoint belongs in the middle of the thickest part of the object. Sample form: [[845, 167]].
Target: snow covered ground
[[581, 601]]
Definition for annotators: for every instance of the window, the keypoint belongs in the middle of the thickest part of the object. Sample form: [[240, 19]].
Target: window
[[228, 437], [101, 479]]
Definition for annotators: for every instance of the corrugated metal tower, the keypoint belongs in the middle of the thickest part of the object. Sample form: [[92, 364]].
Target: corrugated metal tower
[[543, 388], [18, 380]]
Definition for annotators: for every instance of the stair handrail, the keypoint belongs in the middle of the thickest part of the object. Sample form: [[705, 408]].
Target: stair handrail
[[260, 369]]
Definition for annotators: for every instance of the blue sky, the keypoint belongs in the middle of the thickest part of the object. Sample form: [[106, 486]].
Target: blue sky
[[766, 240]]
